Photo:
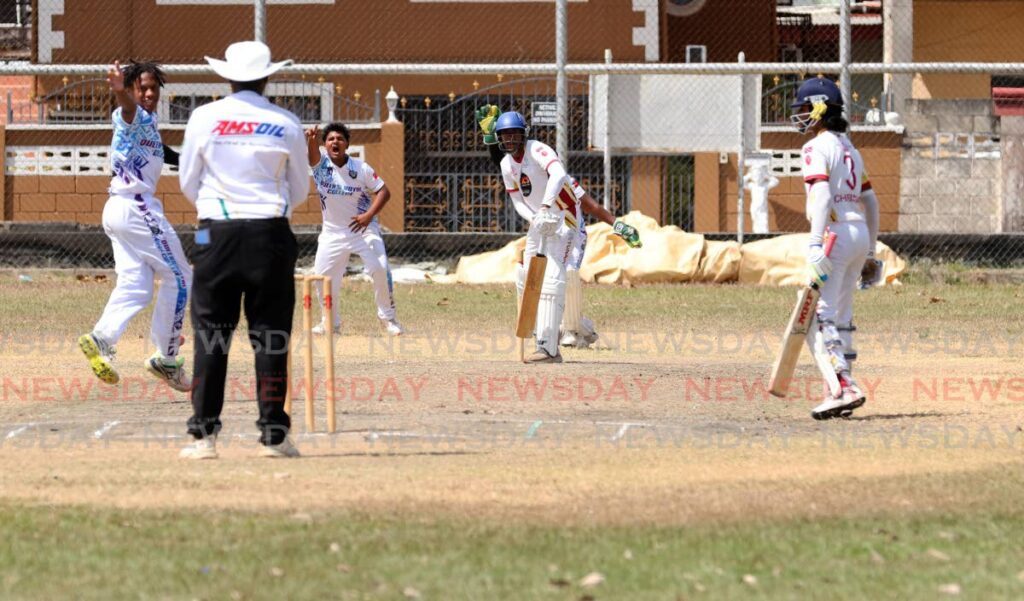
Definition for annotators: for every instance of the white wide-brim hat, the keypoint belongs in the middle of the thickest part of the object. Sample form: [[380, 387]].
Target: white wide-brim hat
[[246, 61]]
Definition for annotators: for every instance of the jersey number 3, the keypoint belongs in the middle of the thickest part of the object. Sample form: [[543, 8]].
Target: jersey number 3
[[851, 166]]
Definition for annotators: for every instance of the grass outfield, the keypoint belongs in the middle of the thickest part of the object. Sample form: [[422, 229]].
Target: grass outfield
[[683, 484], [92, 553]]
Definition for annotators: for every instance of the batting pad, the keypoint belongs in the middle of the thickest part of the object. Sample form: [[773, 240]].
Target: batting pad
[[573, 301]]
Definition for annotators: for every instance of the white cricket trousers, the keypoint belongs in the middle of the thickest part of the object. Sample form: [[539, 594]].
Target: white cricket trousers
[[332, 254], [835, 307], [145, 246]]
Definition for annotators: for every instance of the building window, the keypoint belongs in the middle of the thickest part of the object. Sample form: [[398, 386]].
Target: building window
[[696, 54]]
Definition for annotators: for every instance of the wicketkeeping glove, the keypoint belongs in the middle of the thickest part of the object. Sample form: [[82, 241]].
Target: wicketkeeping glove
[[871, 273], [486, 118], [627, 233]]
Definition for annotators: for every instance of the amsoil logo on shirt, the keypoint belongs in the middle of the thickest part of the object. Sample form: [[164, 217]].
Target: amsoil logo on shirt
[[248, 128], [525, 185]]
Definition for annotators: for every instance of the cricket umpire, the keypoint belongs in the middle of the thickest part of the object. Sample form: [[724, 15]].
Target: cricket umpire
[[243, 165]]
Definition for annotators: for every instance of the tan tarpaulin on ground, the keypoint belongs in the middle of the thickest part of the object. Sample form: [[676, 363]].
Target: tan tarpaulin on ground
[[781, 261], [668, 255]]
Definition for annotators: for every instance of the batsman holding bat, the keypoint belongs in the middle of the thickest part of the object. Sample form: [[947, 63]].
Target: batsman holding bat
[[576, 330], [839, 197]]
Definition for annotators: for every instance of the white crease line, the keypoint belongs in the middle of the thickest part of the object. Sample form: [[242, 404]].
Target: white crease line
[[625, 427], [15, 432], [154, 437], [398, 434], [107, 427]]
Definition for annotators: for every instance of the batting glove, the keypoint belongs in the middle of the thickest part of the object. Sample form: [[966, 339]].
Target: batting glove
[[545, 223], [486, 118], [627, 233], [819, 267]]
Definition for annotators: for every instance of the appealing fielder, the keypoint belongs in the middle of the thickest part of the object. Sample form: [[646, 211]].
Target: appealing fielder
[[576, 330], [840, 198], [145, 245], [350, 222]]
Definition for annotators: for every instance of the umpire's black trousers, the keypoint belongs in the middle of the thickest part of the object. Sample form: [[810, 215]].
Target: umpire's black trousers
[[254, 260]]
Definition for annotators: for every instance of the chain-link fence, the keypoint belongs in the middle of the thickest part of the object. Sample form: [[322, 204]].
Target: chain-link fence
[[674, 127]]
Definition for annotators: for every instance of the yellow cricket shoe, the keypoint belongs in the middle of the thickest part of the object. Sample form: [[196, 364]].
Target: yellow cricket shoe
[[100, 356]]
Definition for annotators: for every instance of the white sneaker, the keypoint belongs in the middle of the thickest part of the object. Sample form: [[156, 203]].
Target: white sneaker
[[319, 329], [588, 331], [283, 450], [852, 394], [582, 338], [393, 327], [201, 448], [174, 375], [843, 405]]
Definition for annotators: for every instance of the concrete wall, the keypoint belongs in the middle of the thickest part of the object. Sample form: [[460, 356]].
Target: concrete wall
[[351, 31], [80, 198], [951, 168], [958, 31]]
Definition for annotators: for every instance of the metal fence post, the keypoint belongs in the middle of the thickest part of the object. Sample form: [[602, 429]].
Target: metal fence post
[[376, 106], [845, 55], [608, 184], [561, 87], [740, 200], [260, 21], [10, 108]]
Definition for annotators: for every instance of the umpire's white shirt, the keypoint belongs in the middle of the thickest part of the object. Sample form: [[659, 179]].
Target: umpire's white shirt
[[244, 158]]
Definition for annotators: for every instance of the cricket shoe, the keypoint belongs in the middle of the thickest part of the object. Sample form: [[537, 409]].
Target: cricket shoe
[[173, 374], [542, 356], [852, 393], [100, 356], [201, 448], [582, 338], [843, 405], [392, 326], [283, 450], [320, 329]]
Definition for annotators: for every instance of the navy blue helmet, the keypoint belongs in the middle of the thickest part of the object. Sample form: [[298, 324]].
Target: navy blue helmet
[[819, 93]]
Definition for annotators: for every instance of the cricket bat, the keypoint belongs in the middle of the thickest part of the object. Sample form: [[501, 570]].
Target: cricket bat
[[800, 323], [531, 297]]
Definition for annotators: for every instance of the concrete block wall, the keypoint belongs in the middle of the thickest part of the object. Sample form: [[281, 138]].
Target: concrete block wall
[[950, 167]]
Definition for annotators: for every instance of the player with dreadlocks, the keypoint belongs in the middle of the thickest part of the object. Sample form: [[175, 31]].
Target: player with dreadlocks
[[144, 243]]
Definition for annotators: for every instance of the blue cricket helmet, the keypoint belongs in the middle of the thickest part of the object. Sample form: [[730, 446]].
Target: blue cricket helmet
[[818, 89], [510, 120], [824, 98]]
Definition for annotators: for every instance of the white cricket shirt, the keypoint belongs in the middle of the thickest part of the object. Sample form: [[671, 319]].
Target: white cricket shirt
[[526, 183], [831, 157], [344, 191], [244, 158], [136, 154]]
